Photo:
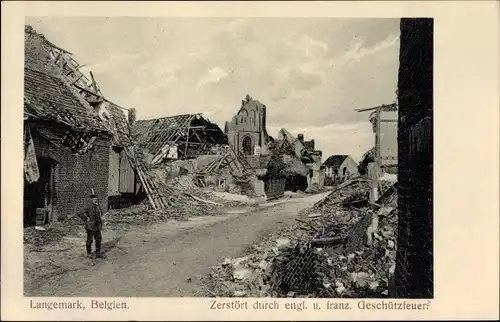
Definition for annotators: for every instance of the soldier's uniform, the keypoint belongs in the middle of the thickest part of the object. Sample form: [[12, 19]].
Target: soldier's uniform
[[93, 225]]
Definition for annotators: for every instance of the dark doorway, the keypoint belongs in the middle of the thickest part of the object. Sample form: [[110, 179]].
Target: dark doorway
[[39, 195], [296, 183]]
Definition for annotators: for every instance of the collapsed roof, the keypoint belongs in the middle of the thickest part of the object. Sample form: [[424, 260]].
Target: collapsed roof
[[289, 144], [116, 122], [48, 98], [191, 134], [55, 67]]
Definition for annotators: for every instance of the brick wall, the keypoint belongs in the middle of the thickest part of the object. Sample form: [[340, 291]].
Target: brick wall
[[75, 175]]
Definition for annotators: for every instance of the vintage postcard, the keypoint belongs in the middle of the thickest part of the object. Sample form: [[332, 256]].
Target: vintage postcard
[[250, 161]]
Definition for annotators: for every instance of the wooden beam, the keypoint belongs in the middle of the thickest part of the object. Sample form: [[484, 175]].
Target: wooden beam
[[377, 137], [197, 136], [187, 142], [328, 241], [197, 127], [94, 84], [58, 57], [375, 108], [87, 91], [52, 45], [76, 80], [373, 175]]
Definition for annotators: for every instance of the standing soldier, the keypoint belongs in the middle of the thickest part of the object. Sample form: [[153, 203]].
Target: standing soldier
[[93, 225]]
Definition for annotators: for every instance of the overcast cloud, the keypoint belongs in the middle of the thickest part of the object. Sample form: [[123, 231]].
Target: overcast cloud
[[310, 72]]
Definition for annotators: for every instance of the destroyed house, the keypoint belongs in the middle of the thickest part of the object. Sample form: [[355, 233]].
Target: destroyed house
[[340, 167], [316, 173], [43, 55], [178, 137], [288, 144], [287, 168], [384, 120], [66, 150]]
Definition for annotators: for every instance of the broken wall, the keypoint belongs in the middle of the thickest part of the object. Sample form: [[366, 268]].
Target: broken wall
[[387, 138], [247, 130], [318, 178]]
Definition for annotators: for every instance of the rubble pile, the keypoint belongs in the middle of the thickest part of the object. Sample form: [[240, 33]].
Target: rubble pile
[[142, 214], [184, 186], [328, 253], [250, 275], [36, 236], [185, 200]]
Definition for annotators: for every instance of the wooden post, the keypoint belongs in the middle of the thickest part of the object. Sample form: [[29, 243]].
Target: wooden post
[[377, 137], [187, 141], [373, 177]]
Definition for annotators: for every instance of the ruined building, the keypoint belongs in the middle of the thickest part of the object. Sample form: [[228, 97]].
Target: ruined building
[[316, 172], [247, 130], [384, 120], [65, 143], [74, 137], [287, 162], [178, 137]]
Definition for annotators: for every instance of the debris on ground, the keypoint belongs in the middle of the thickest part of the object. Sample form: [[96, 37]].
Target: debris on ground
[[186, 199], [341, 247], [35, 237]]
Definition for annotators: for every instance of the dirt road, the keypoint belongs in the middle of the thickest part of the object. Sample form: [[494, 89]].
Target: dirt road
[[169, 259]]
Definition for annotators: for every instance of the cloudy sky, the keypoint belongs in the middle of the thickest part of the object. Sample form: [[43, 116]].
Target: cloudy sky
[[311, 73]]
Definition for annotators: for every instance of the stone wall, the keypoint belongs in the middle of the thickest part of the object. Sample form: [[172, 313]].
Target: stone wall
[[247, 130]]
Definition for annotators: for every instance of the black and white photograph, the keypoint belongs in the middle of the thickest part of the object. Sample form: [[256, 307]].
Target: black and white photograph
[[228, 157], [250, 160]]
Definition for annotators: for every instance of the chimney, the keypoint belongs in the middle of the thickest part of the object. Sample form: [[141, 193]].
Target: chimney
[[131, 116], [312, 144], [301, 137]]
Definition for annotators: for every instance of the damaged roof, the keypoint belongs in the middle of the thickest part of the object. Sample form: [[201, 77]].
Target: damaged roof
[[292, 145], [335, 161], [117, 124], [155, 134], [49, 98], [40, 55]]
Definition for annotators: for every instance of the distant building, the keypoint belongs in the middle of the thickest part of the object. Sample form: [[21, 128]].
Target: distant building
[[316, 173], [246, 132], [340, 167]]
